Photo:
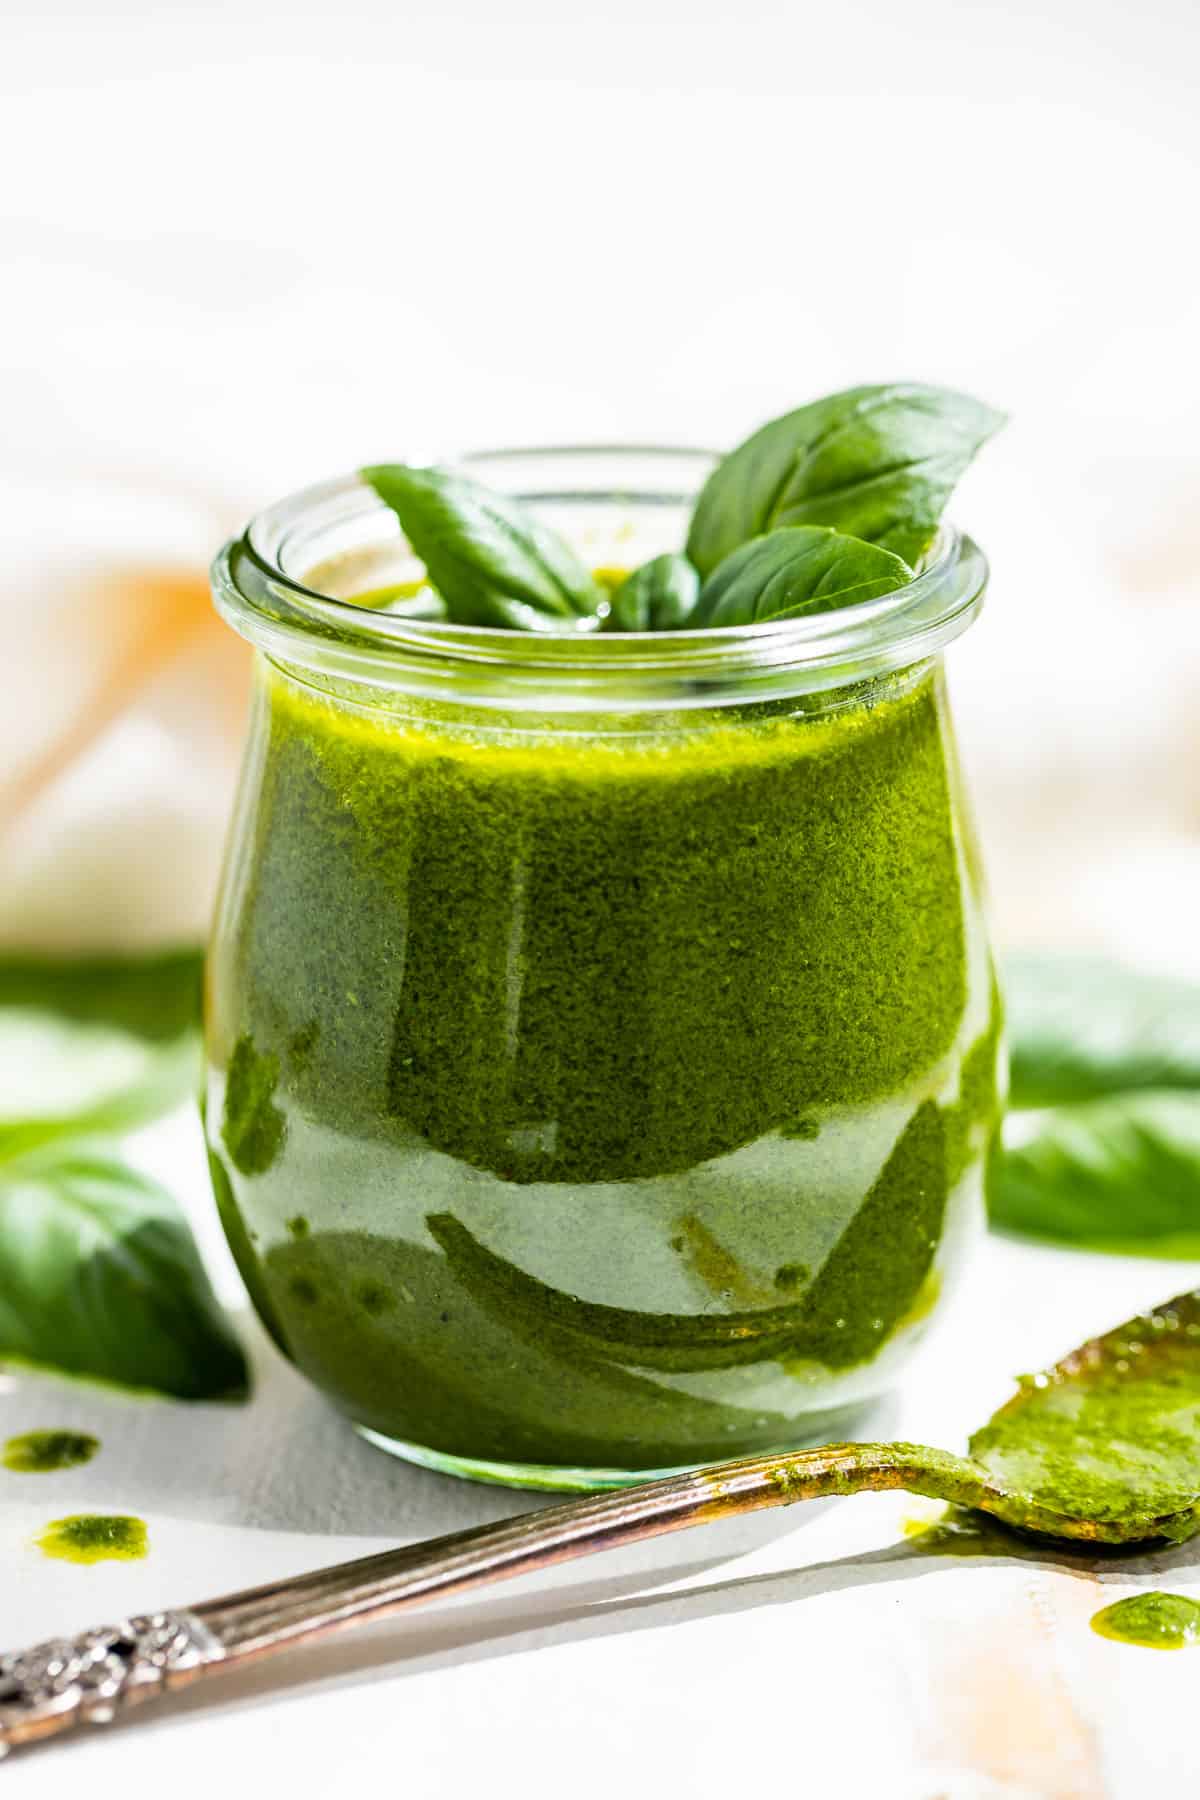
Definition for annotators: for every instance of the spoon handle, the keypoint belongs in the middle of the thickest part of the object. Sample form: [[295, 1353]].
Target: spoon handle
[[95, 1677]]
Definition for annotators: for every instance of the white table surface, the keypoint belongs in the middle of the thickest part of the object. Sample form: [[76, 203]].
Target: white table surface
[[818, 1648]]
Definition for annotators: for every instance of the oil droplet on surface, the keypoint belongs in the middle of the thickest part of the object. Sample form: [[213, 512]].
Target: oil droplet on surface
[[94, 1537], [1155, 1621], [45, 1452]]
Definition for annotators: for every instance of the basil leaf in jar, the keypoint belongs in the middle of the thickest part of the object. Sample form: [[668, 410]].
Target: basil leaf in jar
[[101, 1278], [491, 560], [798, 570], [878, 463], [661, 595]]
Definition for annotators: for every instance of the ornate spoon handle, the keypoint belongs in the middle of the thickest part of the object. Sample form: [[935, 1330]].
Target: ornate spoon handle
[[96, 1677]]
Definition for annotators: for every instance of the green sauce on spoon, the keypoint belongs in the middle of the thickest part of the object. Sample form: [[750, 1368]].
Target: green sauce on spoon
[[1100, 1449]]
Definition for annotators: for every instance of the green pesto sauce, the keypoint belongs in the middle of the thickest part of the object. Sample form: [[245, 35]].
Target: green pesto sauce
[[45, 1452], [598, 1098], [94, 1537], [1110, 1434], [1157, 1621]]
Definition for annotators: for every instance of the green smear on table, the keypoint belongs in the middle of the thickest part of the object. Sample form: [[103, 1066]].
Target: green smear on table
[[94, 1537], [1156, 1621], [45, 1452]]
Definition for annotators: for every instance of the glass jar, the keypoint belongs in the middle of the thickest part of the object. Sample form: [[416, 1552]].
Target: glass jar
[[603, 1040]]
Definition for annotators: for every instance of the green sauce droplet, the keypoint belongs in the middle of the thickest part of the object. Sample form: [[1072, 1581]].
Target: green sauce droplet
[[1157, 1621], [43, 1452], [94, 1537], [959, 1532]]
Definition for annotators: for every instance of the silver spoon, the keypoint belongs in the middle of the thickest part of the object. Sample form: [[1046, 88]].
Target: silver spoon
[[1102, 1448]]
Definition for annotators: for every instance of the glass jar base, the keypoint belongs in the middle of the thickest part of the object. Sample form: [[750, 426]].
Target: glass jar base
[[550, 1477], [819, 1428]]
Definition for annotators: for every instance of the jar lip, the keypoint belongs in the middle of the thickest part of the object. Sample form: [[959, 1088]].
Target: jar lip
[[299, 626]]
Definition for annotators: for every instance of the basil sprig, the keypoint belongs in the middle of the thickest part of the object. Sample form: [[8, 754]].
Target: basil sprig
[[1121, 1174], [98, 1272], [795, 571], [154, 997], [878, 463], [95, 1044], [1102, 1145], [491, 559], [660, 595], [871, 468], [1084, 1028], [101, 1278]]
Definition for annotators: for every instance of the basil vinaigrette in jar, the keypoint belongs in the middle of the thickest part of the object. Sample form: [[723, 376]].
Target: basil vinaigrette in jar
[[603, 1041]]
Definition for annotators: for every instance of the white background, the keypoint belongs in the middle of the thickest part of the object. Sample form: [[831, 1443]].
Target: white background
[[249, 245], [246, 246]]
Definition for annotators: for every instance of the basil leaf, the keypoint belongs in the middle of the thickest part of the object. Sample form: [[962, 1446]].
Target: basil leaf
[[878, 463], [95, 1044], [490, 559], [1082, 1027], [155, 997], [659, 596], [1121, 1174], [798, 570], [99, 1277]]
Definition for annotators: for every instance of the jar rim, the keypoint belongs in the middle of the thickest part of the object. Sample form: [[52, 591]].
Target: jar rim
[[335, 640]]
